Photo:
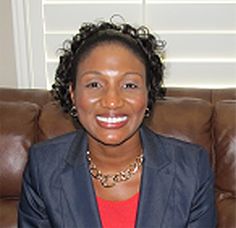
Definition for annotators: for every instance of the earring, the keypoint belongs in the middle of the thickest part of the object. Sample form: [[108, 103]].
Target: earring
[[147, 112], [73, 112]]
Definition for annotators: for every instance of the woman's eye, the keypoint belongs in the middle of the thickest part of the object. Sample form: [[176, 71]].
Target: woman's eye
[[130, 86], [93, 85]]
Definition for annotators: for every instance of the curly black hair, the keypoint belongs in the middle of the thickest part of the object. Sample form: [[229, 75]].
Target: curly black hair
[[139, 40]]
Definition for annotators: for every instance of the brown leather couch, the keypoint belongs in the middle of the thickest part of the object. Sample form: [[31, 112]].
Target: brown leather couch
[[203, 116]]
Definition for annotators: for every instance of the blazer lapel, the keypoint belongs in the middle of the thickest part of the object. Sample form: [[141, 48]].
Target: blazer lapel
[[157, 179], [78, 197]]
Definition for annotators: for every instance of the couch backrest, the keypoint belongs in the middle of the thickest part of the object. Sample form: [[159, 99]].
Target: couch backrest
[[36, 96]]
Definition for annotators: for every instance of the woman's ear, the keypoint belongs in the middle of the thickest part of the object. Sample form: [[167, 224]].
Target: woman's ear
[[72, 94]]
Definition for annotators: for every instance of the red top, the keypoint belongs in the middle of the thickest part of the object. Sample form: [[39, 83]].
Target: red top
[[118, 214]]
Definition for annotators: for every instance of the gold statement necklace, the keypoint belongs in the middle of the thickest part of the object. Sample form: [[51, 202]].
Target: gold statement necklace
[[110, 180]]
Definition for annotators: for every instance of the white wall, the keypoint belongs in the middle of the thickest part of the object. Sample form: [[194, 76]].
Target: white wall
[[7, 56]]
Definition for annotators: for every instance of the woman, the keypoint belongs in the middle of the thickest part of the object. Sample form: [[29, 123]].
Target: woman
[[114, 172]]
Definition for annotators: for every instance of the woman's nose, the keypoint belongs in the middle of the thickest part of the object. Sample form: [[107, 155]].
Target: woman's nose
[[112, 99]]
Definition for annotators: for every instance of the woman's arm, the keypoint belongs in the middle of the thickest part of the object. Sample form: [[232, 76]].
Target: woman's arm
[[203, 212], [32, 212]]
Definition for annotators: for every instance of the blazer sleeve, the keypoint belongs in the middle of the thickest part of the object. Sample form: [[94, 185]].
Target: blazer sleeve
[[32, 211], [203, 212]]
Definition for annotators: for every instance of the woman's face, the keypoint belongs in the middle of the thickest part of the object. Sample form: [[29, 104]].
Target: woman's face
[[110, 94]]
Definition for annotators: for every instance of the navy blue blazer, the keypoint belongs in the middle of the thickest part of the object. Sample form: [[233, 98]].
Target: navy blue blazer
[[176, 187]]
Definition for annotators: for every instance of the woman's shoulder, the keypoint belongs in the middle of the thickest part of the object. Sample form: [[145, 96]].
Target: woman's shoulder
[[182, 151], [170, 140], [181, 154], [177, 148], [54, 148], [178, 143], [65, 139]]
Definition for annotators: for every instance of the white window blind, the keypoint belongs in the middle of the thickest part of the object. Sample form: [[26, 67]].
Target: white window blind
[[200, 34], [201, 37]]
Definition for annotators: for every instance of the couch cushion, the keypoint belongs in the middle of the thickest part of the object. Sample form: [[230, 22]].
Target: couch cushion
[[8, 213], [184, 118], [18, 128], [226, 213], [225, 146], [54, 122]]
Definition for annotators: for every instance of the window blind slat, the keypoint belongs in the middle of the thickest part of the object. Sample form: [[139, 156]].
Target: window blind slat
[[190, 1], [178, 45], [191, 16], [89, 1], [208, 74], [66, 17]]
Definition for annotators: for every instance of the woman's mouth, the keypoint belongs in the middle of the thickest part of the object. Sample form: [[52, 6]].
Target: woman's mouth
[[112, 121]]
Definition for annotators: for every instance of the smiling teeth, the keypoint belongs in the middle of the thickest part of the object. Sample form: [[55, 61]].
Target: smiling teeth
[[112, 119]]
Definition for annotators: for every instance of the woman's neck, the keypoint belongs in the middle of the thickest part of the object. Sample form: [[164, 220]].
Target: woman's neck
[[113, 158]]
